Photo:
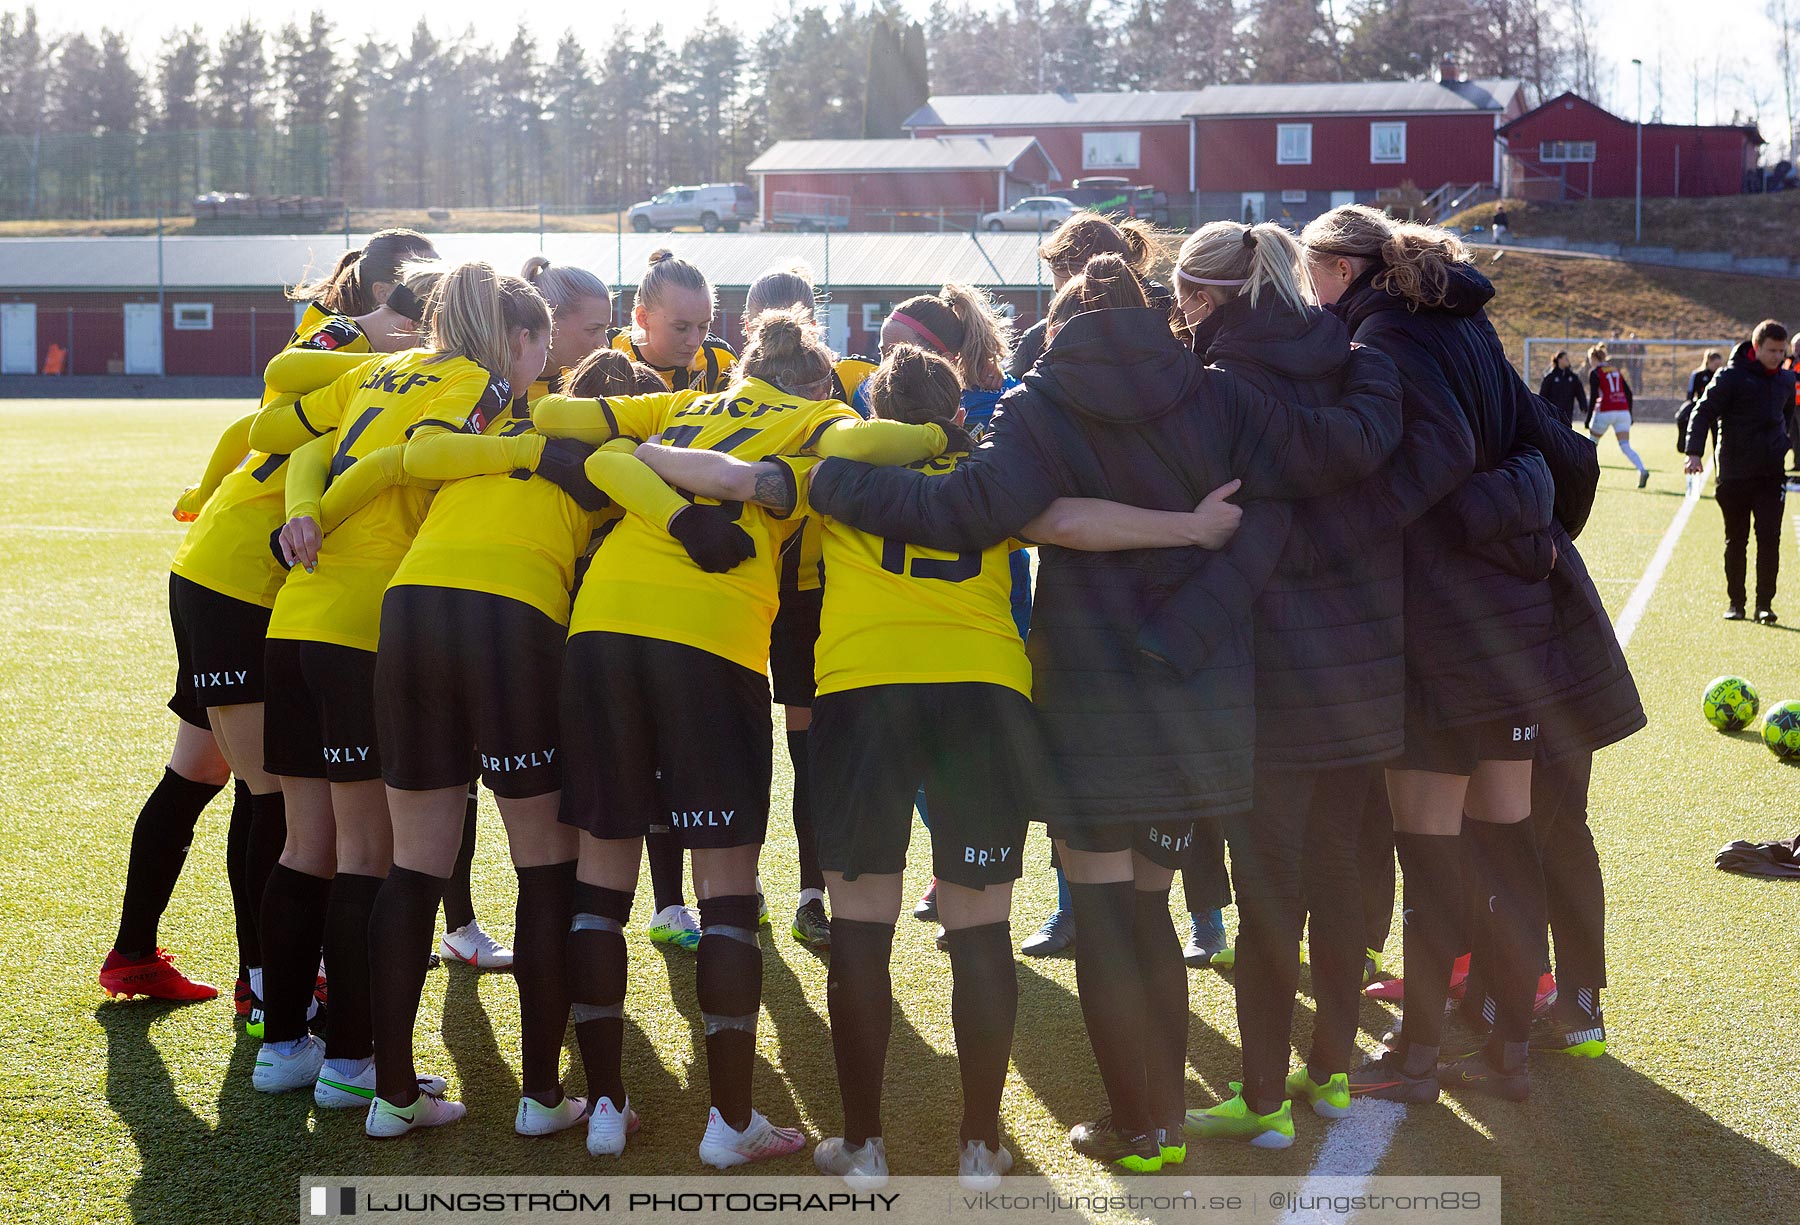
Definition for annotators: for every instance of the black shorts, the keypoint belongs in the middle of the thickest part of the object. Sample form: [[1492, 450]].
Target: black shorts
[[975, 749], [792, 640], [661, 733], [319, 712], [467, 680], [1457, 750], [218, 650], [1167, 844]]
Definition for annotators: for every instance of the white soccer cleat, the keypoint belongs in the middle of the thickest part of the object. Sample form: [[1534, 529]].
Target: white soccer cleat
[[334, 1092], [676, 925], [386, 1120], [276, 1072], [980, 1168], [608, 1126], [474, 947], [723, 1146], [862, 1169], [536, 1119]]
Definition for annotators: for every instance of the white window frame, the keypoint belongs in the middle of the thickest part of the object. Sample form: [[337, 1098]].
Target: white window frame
[[1131, 145], [1562, 152], [1298, 131], [874, 314], [1376, 131], [1293, 195], [193, 317]]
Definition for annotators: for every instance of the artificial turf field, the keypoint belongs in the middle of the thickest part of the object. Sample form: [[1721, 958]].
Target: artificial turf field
[[143, 1110]]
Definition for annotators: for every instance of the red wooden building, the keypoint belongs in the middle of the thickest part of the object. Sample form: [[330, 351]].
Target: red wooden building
[[1570, 149], [897, 184]]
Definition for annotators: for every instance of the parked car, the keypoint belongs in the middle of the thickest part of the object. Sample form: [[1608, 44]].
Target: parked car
[[1032, 214], [711, 206]]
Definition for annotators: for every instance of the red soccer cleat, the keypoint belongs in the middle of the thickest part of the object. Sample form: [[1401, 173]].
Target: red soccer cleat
[[1393, 990], [242, 999], [154, 976]]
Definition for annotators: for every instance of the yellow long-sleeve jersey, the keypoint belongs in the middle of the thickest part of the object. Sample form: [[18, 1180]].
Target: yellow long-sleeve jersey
[[710, 369]]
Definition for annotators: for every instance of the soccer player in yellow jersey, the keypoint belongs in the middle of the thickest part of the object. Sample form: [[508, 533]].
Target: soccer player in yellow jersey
[[664, 675], [922, 680], [221, 585], [671, 315], [320, 728], [581, 315]]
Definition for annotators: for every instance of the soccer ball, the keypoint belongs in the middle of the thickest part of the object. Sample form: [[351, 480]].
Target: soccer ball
[[1729, 703], [1781, 729]]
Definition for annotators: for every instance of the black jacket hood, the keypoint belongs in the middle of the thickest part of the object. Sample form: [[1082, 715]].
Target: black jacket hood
[[1467, 293], [1116, 366], [1307, 345]]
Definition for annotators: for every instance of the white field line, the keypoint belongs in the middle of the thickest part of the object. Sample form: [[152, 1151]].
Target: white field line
[[1354, 1148]]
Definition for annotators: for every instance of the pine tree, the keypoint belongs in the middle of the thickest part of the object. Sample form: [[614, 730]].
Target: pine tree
[[571, 104], [239, 93], [308, 71], [1292, 40], [179, 115]]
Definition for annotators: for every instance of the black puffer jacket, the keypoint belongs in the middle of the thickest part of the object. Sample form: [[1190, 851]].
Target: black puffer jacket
[[1478, 631], [1117, 408], [1750, 404], [1030, 344], [1330, 672]]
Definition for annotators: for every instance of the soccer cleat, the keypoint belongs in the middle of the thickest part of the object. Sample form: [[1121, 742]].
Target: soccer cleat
[[723, 1146], [242, 997], [1643, 479], [1205, 938], [253, 1021], [474, 947], [1372, 971], [279, 1071], [153, 976], [1225, 960], [536, 1119], [942, 939], [862, 1169], [1232, 1119], [677, 925], [1477, 1072], [979, 1168], [762, 906], [811, 925], [608, 1126], [1583, 1039], [1545, 998], [332, 1092], [1330, 1100], [1734, 612], [386, 1120], [1173, 1143], [1056, 935], [1101, 1141], [1385, 1077], [1393, 990], [1766, 616], [925, 909]]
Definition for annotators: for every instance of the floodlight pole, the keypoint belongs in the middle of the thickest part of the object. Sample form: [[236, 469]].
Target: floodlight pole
[[1639, 65]]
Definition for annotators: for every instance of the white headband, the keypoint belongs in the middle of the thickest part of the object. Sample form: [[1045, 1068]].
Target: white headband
[[1191, 279]]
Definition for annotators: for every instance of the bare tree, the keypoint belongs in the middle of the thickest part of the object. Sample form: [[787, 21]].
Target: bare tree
[[1777, 11]]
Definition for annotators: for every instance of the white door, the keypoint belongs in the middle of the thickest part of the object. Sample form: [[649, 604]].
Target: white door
[[1341, 198], [18, 338], [143, 338], [1252, 208], [837, 327]]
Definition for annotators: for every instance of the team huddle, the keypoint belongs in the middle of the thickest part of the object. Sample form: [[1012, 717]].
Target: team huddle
[[478, 531]]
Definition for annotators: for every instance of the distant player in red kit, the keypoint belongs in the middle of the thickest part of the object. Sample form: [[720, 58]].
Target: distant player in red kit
[[1609, 407]]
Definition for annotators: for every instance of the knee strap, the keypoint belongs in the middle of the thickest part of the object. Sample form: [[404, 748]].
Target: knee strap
[[596, 1012], [744, 935], [716, 1023], [596, 923]]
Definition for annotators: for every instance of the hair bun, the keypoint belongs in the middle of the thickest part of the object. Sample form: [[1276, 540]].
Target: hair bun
[[660, 254], [1250, 238], [534, 267]]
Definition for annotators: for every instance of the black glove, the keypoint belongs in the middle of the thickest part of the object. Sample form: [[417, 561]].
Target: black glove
[[711, 538], [275, 548], [564, 464], [956, 437]]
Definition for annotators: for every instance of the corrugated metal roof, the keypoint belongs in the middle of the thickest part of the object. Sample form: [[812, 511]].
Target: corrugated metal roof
[[730, 261], [1356, 98], [939, 153], [1039, 110]]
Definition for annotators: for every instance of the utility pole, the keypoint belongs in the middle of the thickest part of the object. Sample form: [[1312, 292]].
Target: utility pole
[[1639, 65]]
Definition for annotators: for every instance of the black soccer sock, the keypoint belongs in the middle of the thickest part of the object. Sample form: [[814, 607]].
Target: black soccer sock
[[664, 854], [293, 933], [459, 900], [728, 982], [1375, 866], [347, 923], [1166, 1011], [540, 954], [811, 877], [1110, 984], [1266, 979], [1513, 876], [159, 846], [597, 964], [860, 996], [397, 948], [237, 871], [1431, 935], [1574, 894], [268, 834], [1335, 927], [984, 1009]]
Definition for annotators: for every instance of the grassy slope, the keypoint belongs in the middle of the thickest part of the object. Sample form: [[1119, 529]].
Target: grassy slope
[[1743, 225], [145, 1111]]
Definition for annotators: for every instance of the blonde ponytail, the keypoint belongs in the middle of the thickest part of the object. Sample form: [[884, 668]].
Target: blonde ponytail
[[475, 311], [1415, 260], [1245, 261]]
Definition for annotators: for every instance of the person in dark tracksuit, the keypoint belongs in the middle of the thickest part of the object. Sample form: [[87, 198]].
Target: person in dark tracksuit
[[1751, 401], [1562, 388]]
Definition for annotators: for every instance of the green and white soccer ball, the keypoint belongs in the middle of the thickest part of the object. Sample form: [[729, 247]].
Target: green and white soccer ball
[[1729, 703], [1781, 729]]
